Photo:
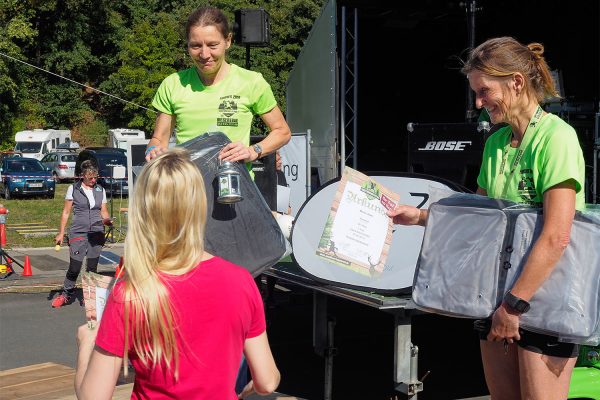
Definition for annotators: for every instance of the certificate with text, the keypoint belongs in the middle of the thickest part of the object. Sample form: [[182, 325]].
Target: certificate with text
[[96, 289], [358, 232]]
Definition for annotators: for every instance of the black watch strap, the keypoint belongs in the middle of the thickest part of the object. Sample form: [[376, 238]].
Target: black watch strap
[[515, 303]]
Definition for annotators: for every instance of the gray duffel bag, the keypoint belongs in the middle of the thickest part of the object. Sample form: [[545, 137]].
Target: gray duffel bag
[[475, 247]]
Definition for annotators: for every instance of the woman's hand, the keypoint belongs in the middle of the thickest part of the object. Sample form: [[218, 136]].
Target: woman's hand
[[405, 215], [58, 239], [236, 151], [505, 325], [86, 336], [154, 152]]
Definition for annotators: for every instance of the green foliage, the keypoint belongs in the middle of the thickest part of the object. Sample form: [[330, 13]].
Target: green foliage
[[146, 58], [125, 49], [34, 210], [15, 30], [91, 131]]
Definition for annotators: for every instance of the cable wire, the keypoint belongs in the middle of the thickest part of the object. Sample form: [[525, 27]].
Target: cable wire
[[80, 84]]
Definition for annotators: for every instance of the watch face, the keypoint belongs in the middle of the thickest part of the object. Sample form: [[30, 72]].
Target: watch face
[[257, 148]]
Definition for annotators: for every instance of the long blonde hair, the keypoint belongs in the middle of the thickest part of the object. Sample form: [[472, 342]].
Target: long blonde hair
[[167, 216]]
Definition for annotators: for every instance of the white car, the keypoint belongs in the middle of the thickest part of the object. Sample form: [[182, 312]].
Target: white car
[[62, 164]]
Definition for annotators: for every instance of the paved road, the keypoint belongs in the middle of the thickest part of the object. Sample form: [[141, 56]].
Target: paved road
[[48, 266], [31, 332]]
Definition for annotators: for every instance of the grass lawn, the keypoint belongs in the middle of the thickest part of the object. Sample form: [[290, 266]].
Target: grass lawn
[[47, 212]]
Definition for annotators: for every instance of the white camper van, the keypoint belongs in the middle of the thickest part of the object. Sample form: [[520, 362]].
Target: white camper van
[[36, 143], [119, 137]]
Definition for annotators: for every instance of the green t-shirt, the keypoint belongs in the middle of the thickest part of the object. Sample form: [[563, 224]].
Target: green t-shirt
[[227, 106], [553, 156]]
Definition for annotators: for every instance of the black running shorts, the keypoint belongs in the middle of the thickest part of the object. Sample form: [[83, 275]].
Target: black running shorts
[[533, 341]]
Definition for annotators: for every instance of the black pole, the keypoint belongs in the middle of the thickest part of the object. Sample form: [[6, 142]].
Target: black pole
[[111, 233], [471, 11], [247, 56], [112, 178]]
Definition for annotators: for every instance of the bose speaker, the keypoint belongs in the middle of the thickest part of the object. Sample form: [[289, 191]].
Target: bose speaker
[[252, 27], [447, 150]]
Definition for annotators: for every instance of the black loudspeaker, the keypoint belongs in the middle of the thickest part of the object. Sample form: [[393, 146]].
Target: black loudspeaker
[[447, 150], [265, 175], [252, 27]]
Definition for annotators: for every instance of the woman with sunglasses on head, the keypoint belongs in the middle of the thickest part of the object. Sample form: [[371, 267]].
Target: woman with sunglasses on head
[[87, 200]]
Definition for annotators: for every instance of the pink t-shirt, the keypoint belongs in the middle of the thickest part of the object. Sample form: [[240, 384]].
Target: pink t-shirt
[[217, 306]]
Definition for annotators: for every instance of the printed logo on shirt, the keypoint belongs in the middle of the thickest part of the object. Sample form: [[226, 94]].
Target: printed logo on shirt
[[228, 108], [526, 187]]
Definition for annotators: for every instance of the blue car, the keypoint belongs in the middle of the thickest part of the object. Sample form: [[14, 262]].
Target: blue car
[[25, 177]]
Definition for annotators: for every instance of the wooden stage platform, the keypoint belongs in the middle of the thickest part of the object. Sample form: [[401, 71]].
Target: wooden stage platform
[[50, 381]]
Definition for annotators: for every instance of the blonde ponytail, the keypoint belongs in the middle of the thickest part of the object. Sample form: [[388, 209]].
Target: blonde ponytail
[[543, 81]]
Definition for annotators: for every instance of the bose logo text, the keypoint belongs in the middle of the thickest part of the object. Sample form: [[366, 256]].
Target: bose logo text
[[444, 146]]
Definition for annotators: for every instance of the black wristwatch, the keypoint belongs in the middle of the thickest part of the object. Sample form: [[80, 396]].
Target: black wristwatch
[[515, 303]]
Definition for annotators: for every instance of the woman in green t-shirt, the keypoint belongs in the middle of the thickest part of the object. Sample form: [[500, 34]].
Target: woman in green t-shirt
[[216, 96], [534, 159]]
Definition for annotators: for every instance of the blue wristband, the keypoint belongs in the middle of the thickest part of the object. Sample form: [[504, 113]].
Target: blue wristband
[[149, 149]]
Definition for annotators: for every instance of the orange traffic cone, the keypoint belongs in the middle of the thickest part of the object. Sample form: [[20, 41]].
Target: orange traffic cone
[[27, 267], [118, 270]]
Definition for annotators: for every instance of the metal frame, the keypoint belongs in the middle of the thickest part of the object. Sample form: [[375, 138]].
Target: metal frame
[[132, 146], [401, 307], [349, 88], [308, 165], [471, 11], [297, 197], [596, 156]]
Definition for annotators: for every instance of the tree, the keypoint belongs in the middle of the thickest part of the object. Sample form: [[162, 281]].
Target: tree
[[15, 31], [123, 48], [148, 54]]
